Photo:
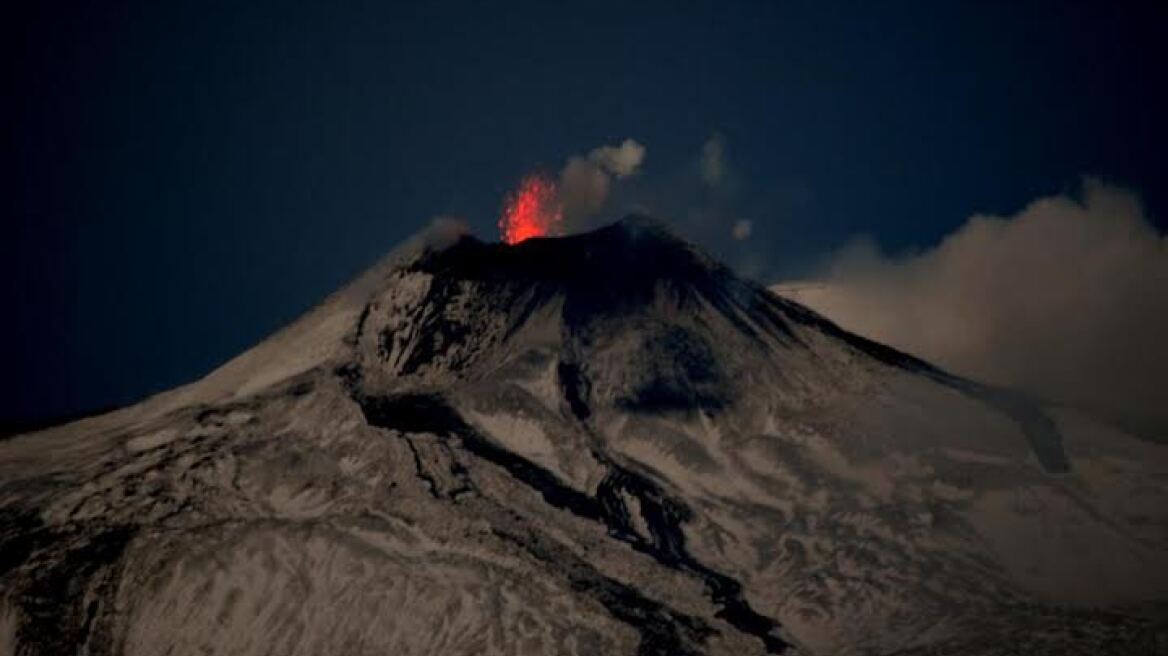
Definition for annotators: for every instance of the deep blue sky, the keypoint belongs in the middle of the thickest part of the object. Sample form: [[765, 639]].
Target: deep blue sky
[[185, 180]]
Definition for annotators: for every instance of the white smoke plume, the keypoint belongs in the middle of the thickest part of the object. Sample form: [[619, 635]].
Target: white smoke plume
[[1067, 300]]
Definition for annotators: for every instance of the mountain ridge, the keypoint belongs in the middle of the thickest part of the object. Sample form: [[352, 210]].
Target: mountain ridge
[[602, 443]]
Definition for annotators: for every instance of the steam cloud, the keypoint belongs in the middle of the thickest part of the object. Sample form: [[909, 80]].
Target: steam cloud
[[1067, 300], [585, 180]]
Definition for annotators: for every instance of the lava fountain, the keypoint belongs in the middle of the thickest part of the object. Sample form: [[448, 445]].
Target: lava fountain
[[533, 210]]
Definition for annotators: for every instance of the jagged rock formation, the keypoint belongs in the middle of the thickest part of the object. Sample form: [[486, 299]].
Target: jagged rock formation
[[598, 444]]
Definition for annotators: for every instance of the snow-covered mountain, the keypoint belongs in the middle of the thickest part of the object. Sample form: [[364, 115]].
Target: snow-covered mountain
[[598, 444]]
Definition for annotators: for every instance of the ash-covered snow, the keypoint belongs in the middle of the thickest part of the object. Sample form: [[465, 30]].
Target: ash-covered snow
[[601, 444]]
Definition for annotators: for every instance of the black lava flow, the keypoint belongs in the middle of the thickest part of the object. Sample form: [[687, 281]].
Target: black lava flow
[[663, 515]]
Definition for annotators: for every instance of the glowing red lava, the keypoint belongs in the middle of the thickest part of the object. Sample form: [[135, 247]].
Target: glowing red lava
[[534, 210]]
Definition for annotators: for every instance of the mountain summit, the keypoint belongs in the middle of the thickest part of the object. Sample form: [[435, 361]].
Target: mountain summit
[[599, 444]]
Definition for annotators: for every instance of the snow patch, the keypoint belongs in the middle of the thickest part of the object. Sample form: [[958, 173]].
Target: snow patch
[[151, 440], [519, 434]]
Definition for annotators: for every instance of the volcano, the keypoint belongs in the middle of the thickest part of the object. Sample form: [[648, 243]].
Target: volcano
[[605, 443]]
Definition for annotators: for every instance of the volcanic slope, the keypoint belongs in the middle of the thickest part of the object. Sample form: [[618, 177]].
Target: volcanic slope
[[598, 444]]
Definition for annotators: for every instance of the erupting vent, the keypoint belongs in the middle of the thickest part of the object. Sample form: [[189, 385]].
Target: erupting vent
[[533, 210]]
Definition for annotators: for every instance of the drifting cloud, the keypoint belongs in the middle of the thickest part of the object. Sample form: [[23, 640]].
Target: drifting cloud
[[1067, 300], [585, 181], [713, 160], [702, 199], [742, 229]]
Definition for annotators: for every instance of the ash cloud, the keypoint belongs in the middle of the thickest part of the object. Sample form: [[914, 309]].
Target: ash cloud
[[1067, 300], [620, 161], [586, 180], [584, 188]]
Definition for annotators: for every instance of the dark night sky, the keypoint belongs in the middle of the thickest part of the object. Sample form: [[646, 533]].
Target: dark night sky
[[187, 179]]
